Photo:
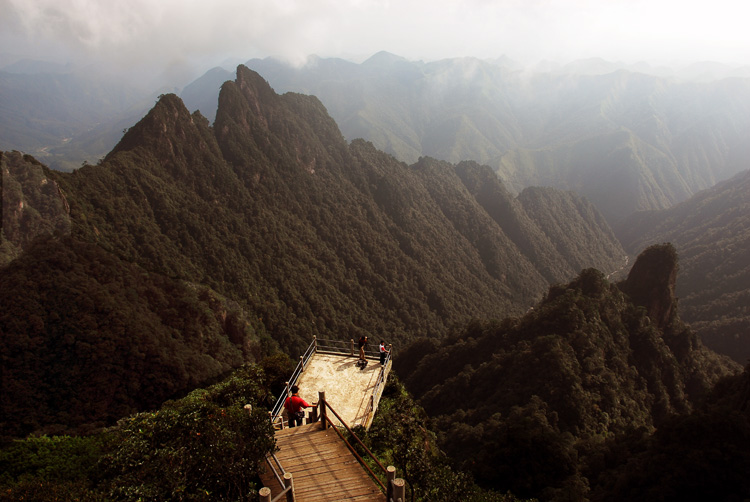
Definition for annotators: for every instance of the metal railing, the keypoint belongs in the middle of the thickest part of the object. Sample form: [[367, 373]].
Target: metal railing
[[303, 360], [377, 390], [344, 348], [336, 347], [272, 456]]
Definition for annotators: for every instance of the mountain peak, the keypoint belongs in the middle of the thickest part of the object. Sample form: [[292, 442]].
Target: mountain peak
[[160, 122], [255, 96], [383, 58], [248, 79]]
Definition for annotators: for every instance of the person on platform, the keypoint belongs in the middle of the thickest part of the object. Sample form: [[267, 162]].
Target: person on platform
[[362, 346], [383, 352]]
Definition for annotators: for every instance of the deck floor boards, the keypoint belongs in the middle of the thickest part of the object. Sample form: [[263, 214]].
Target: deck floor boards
[[322, 466]]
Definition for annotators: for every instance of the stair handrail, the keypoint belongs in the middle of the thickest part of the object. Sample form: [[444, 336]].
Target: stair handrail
[[327, 421], [287, 484], [273, 469]]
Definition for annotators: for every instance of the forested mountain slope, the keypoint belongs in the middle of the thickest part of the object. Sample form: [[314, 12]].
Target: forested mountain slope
[[626, 140], [539, 404], [711, 231], [266, 226]]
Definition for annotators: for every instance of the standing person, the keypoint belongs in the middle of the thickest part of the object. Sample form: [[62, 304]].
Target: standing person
[[294, 405], [362, 345], [383, 352]]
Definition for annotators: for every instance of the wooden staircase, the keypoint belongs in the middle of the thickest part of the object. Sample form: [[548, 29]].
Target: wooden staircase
[[323, 467]]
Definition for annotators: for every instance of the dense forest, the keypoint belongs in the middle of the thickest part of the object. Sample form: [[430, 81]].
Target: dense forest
[[587, 393], [599, 393], [267, 228], [148, 298], [205, 446], [711, 232]]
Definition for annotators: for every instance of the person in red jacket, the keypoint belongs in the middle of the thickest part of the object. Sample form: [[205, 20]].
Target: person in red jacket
[[294, 405]]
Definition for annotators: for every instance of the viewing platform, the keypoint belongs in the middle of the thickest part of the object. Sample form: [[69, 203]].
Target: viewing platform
[[331, 367]]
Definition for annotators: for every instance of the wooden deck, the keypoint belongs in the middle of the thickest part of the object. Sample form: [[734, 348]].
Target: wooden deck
[[323, 467]]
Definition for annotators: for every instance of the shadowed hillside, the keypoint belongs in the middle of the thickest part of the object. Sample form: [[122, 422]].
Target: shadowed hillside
[[531, 404], [711, 231]]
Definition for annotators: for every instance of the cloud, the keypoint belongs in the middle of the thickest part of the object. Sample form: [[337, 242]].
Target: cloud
[[165, 33]]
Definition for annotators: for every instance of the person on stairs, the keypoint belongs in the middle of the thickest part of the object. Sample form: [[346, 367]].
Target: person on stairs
[[294, 405]]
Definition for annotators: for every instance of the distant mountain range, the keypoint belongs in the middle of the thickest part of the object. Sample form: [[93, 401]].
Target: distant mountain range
[[271, 228], [625, 140], [656, 134]]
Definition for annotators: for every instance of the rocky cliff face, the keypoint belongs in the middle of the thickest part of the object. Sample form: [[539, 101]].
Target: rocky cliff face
[[651, 283], [32, 204]]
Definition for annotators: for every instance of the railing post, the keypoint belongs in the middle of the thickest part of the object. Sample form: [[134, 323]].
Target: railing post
[[352, 344], [289, 483], [390, 473], [265, 494], [273, 424], [315, 343], [322, 404], [399, 490], [302, 363]]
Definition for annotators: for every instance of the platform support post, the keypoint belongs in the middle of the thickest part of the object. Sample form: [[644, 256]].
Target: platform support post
[[390, 473], [399, 490], [322, 404]]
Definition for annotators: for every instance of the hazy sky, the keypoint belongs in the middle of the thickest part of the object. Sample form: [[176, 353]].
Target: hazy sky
[[199, 34]]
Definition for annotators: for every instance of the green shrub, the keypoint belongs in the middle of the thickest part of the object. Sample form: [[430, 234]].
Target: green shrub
[[203, 447]]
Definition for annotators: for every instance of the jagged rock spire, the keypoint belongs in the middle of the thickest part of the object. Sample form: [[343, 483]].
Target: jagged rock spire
[[651, 282]]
